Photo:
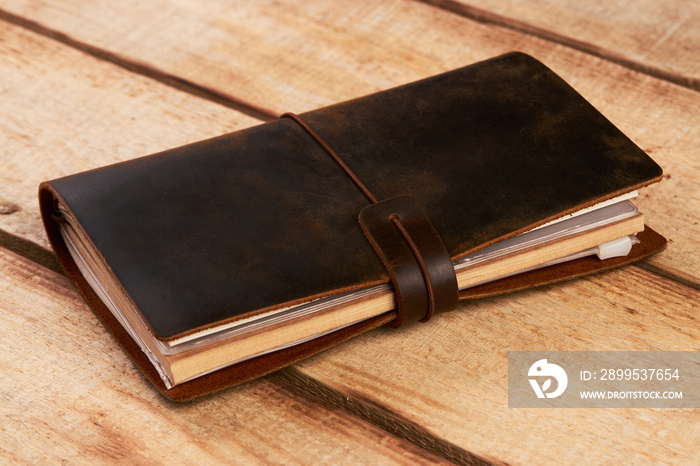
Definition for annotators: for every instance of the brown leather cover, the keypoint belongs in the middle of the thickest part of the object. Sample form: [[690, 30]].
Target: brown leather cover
[[262, 218], [421, 271]]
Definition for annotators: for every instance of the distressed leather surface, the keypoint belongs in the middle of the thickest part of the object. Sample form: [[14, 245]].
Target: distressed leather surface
[[262, 218], [261, 365]]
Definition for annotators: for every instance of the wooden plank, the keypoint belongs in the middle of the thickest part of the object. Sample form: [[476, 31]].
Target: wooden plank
[[450, 375], [69, 394], [458, 385], [660, 38], [86, 401], [64, 112], [298, 56]]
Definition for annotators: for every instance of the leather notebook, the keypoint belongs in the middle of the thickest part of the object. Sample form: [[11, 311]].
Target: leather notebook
[[226, 259]]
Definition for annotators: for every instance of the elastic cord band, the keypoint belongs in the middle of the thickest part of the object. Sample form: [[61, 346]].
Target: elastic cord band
[[412, 251], [333, 155]]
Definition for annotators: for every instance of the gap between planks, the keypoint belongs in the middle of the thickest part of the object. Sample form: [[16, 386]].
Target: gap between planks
[[291, 377], [265, 114], [143, 69], [303, 385], [46, 258], [300, 384], [487, 17]]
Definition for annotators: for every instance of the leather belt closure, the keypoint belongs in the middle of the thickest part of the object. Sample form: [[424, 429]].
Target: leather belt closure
[[407, 243], [415, 257]]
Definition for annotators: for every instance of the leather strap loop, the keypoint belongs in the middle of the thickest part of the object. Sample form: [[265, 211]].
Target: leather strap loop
[[412, 251], [415, 257]]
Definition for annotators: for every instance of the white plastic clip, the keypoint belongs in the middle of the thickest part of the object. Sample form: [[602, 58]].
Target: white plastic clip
[[615, 248]]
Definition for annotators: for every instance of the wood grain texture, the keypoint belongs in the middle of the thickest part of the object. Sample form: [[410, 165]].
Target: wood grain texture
[[69, 394], [64, 112], [447, 377], [295, 56], [659, 38], [450, 375]]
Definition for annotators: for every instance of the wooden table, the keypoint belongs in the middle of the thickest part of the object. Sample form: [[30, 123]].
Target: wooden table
[[84, 84]]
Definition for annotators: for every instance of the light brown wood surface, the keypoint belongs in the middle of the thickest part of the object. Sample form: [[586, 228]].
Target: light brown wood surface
[[298, 56], [69, 394], [441, 386], [661, 38], [64, 111], [450, 375]]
